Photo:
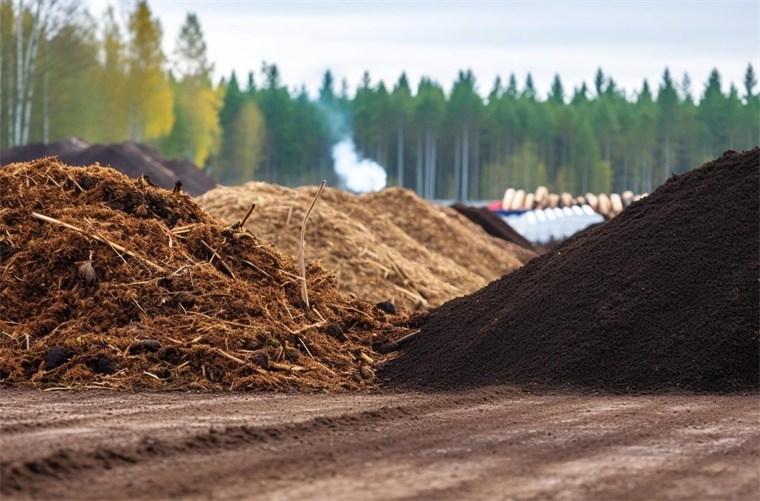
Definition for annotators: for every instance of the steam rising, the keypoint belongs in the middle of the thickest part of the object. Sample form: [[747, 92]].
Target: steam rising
[[358, 175]]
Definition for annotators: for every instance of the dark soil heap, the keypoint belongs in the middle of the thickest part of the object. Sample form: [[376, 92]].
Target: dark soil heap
[[105, 280], [132, 159], [495, 226], [665, 296]]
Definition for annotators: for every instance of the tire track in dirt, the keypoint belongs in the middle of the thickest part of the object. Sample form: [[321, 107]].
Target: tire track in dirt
[[17, 475], [69, 462], [480, 445]]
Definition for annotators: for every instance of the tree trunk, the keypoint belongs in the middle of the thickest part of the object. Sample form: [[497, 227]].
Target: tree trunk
[[46, 108], [607, 147], [30, 61], [400, 153], [19, 74], [668, 168], [457, 164], [434, 167], [9, 107], [476, 166], [428, 163], [385, 151], [465, 161], [419, 166], [29, 77], [585, 188]]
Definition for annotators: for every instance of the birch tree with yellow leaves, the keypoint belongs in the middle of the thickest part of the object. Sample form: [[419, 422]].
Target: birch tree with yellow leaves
[[149, 94], [196, 132]]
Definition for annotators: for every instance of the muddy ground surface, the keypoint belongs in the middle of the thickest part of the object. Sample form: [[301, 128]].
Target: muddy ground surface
[[485, 444]]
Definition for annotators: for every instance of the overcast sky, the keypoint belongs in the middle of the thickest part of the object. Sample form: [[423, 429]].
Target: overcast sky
[[630, 40]]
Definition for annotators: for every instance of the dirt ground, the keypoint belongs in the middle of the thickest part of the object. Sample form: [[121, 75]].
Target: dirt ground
[[487, 444]]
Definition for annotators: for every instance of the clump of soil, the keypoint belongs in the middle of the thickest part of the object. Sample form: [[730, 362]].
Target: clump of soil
[[373, 258], [110, 281], [663, 296], [132, 159]]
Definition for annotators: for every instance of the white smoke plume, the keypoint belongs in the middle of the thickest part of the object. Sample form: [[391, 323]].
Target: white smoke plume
[[359, 175]]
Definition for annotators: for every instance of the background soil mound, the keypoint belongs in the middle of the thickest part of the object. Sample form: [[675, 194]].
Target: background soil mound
[[143, 288], [663, 296], [29, 152], [132, 159], [497, 227], [373, 258]]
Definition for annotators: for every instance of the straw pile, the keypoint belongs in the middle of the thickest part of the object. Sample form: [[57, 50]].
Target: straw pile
[[110, 281], [381, 247], [449, 233]]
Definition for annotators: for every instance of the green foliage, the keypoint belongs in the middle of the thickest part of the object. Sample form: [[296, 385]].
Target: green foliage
[[196, 132], [108, 81], [148, 91]]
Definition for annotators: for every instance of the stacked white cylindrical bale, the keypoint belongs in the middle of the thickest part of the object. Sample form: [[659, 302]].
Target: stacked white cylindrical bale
[[627, 197], [593, 201], [509, 195], [541, 197], [617, 204], [607, 205], [529, 201], [519, 201]]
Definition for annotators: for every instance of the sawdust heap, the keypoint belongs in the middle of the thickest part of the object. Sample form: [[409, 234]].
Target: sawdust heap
[[153, 292], [387, 246]]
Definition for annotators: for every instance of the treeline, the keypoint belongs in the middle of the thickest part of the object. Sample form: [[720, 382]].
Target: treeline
[[63, 73]]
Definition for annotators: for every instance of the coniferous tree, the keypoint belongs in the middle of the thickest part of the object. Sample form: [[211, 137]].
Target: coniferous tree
[[712, 115], [106, 82], [667, 101], [645, 118], [751, 118], [401, 99], [465, 107]]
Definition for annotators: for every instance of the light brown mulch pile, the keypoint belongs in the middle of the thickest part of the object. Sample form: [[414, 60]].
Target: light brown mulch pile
[[386, 246]]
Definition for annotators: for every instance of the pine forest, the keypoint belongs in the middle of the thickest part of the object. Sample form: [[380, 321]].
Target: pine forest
[[64, 73]]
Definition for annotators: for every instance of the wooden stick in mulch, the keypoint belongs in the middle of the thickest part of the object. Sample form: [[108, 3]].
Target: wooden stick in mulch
[[99, 239], [301, 264], [241, 223], [221, 261]]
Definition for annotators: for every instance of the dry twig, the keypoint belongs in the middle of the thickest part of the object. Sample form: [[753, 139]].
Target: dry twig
[[305, 347], [257, 268], [221, 261], [241, 223], [99, 239], [301, 264]]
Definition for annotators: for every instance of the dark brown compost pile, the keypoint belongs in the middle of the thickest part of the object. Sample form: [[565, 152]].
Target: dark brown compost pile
[[105, 280], [665, 296], [132, 159]]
